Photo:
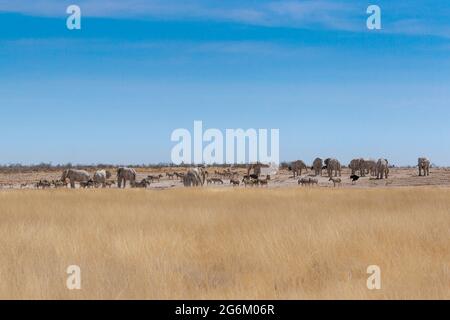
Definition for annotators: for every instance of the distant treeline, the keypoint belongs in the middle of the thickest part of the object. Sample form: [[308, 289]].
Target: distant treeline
[[17, 167]]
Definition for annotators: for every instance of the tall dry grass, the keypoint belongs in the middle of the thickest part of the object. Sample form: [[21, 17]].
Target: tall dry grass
[[239, 244]]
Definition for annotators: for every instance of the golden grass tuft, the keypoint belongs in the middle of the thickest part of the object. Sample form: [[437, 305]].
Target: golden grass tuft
[[225, 243]]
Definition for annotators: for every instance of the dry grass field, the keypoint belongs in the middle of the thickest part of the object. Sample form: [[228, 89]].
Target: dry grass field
[[224, 243]]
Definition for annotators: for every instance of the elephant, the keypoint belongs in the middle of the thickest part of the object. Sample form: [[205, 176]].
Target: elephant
[[75, 176], [369, 166], [101, 176], [194, 177], [331, 165], [256, 168], [124, 174], [317, 166], [297, 167], [424, 165], [355, 166], [359, 165], [382, 169]]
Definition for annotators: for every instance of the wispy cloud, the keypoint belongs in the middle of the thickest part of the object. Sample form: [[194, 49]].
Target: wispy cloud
[[169, 47], [263, 12], [418, 27], [348, 15]]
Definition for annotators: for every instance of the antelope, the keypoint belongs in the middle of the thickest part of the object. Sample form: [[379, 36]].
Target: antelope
[[143, 184], [109, 183], [336, 181], [43, 184], [214, 180], [248, 181], [234, 182], [153, 178], [169, 175], [264, 182], [59, 183], [308, 181], [87, 184], [178, 175]]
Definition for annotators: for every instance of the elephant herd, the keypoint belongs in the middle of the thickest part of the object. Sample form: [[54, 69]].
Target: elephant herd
[[364, 167], [331, 165], [361, 166], [197, 176], [100, 177], [194, 177]]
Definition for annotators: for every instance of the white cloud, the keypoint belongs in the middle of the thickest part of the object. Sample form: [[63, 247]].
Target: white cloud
[[263, 12], [325, 14]]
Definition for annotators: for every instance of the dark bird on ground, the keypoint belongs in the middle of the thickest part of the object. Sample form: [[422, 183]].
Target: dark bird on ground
[[354, 178]]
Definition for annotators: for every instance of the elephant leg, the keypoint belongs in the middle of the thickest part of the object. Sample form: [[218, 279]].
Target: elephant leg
[[72, 184]]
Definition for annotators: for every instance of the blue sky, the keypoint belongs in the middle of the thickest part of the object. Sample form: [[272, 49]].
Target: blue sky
[[114, 91]]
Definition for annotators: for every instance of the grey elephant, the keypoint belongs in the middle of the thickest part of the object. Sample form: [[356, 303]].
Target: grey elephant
[[424, 165], [125, 174], [333, 165], [75, 176], [194, 177], [359, 166], [317, 166], [355, 166], [101, 176], [369, 166], [382, 169], [297, 167]]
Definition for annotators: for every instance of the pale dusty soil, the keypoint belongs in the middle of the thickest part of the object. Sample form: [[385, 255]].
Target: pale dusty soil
[[399, 177]]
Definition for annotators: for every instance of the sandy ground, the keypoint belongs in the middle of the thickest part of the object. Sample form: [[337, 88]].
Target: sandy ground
[[399, 177]]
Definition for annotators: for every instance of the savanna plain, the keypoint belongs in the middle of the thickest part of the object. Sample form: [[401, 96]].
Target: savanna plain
[[226, 243]]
